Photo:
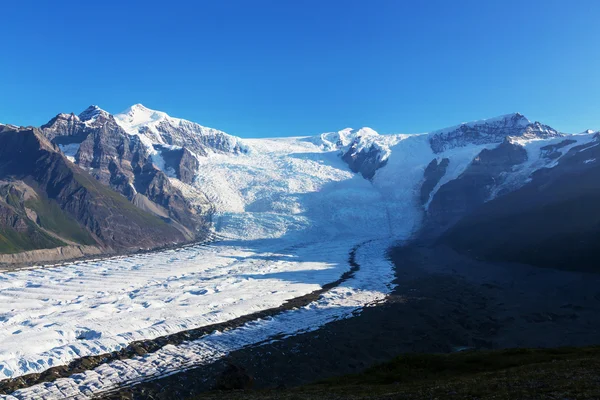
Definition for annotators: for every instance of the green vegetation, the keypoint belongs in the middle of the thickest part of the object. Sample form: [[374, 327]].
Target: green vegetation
[[566, 373], [12, 241], [52, 218], [125, 206]]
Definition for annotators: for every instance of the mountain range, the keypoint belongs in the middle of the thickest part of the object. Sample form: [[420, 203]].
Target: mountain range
[[94, 183]]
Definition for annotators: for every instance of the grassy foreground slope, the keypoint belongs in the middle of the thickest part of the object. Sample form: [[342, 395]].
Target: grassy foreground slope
[[564, 373]]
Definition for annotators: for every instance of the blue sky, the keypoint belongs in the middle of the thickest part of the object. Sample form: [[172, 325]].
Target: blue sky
[[282, 68]]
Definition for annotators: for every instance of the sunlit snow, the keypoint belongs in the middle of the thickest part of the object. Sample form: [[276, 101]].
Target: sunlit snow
[[287, 211]]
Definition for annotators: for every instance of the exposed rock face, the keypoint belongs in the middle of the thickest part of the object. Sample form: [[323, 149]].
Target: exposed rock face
[[156, 186], [50, 255], [9, 218], [553, 151], [489, 131], [179, 161], [188, 165], [364, 150], [433, 173], [474, 186], [553, 221], [66, 196], [122, 162], [365, 161], [103, 147]]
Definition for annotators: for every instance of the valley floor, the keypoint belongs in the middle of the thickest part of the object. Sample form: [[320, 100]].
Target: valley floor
[[443, 302]]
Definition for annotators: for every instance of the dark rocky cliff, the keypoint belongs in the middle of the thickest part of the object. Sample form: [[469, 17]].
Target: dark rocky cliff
[[28, 160], [553, 221], [122, 162]]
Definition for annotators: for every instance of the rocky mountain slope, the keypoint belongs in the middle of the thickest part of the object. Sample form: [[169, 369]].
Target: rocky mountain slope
[[94, 141], [552, 221], [46, 201], [463, 167]]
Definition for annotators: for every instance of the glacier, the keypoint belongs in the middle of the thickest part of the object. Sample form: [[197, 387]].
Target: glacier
[[287, 212]]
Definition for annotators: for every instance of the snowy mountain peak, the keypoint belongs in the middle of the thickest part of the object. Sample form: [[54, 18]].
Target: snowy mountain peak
[[159, 128], [517, 119], [92, 113], [342, 139], [513, 120], [364, 131], [139, 107], [137, 116], [487, 131]]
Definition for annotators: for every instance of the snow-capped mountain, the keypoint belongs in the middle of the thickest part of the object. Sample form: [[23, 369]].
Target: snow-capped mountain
[[158, 128], [94, 141], [293, 184], [336, 182], [492, 130]]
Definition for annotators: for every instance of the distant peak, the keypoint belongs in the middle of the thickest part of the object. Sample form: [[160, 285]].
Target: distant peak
[[518, 117], [365, 131], [139, 106], [142, 113], [92, 112], [513, 120]]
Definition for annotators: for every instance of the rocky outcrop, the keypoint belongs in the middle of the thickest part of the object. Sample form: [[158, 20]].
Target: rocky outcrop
[[156, 186], [187, 167], [553, 151], [49, 255], [364, 161], [179, 161], [364, 150], [433, 173]]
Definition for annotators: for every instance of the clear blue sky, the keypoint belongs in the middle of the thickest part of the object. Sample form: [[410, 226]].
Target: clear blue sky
[[283, 67]]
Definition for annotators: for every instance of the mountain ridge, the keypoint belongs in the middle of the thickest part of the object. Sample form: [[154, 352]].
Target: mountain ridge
[[47, 194], [200, 179]]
